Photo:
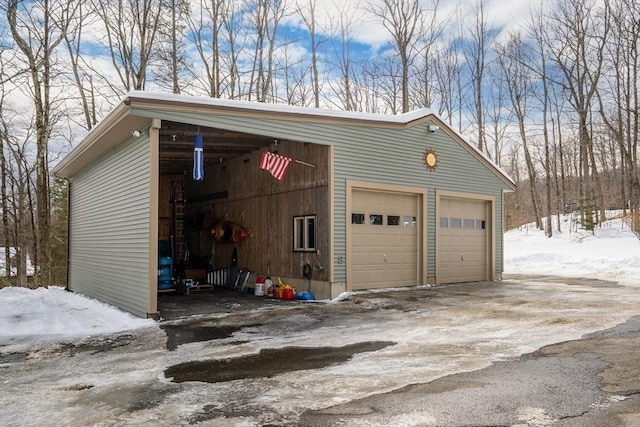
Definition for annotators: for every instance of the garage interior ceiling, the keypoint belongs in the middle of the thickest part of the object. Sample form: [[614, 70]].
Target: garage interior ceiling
[[177, 140]]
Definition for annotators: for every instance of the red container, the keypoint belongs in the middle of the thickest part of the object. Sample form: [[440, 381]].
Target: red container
[[287, 293]]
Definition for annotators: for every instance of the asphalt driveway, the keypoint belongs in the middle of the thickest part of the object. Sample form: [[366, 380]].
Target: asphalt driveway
[[525, 351]]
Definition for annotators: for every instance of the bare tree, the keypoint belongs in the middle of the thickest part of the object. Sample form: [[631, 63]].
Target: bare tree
[[475, 48], [73, 39], [449, 80], [343, 86], [21, 206], [172, 63], [618, 98], [37, 29], [294, 75], [556, 105], [308, 15], [387, 73], [265, 19], [131, 28], [580, 34], [517, 78], [16, 187], [403, 20], [205, 26], [427, 85], [215, 31], [499, 119], [538, 32], [4, 169]]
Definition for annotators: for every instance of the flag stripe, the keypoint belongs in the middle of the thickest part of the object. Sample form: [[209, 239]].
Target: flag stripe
[[275, 164]]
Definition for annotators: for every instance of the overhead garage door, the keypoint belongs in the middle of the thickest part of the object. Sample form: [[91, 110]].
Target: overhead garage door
[[384, 239], [462, 240]]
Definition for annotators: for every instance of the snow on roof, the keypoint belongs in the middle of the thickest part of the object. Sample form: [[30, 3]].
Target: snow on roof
[[276, 108], [142, 97]]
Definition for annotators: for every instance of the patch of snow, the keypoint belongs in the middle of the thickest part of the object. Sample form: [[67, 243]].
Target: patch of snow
[[611, 252], [53, 314]]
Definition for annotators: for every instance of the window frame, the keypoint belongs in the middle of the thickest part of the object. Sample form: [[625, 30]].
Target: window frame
[[305, 221]]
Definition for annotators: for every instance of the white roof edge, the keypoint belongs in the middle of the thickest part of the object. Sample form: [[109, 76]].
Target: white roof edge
[[276, 108]]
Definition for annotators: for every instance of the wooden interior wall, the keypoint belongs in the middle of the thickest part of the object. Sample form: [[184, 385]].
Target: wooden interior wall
[[266, 206]]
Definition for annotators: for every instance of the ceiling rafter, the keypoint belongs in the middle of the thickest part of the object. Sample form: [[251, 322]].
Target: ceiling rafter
[[176, 145]]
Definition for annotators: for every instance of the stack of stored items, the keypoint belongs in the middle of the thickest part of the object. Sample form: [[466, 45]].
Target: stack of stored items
[[165, 266]]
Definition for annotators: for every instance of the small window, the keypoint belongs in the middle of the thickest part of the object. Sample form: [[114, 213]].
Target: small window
[[393, 220], [375, 219], [456, 223], [444, 222], [480, 224], [468, 224], [409, 221], [357, 218], [304, 233]]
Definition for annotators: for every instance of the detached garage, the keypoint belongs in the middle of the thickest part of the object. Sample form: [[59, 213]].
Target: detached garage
[[173, 186]]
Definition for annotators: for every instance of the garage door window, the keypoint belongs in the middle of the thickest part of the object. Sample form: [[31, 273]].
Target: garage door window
[[357, 218], [304, 233], [393, 220], [444, 222], [409, 221], [456, 223], [480, 224], [468, 224], [375, 219]]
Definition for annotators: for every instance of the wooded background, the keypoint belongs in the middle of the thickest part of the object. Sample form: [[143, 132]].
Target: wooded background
[[552, 100]]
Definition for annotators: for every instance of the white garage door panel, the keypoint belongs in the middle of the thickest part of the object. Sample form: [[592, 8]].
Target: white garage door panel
[[462, 240], [384, 255]]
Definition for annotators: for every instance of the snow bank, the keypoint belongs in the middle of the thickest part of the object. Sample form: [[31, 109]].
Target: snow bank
[[611, 252], [54, 314]]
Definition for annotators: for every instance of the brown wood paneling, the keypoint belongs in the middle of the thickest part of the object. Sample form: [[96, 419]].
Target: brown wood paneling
[[266, 206]]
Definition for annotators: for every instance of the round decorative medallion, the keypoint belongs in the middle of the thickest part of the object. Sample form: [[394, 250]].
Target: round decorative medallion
[[430, 160]]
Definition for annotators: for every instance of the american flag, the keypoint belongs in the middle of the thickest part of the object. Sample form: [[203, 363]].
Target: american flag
[[275, 163]]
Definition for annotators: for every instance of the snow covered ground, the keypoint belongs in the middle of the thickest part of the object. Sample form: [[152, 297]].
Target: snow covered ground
[[451, 333], [612, 252]]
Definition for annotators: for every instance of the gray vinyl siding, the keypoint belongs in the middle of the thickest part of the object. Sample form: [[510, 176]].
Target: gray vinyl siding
[[375, 154], [109, 228]]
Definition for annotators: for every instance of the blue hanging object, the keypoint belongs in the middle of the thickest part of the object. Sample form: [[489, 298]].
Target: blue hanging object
[[198, 159]]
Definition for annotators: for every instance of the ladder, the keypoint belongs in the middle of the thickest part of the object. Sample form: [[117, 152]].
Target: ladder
[[179, 214]]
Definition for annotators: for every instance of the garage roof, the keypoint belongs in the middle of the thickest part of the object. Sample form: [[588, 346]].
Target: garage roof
[[176, 138]]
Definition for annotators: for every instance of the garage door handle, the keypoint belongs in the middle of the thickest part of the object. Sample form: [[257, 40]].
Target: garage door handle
[[384, 257], [461, 257]]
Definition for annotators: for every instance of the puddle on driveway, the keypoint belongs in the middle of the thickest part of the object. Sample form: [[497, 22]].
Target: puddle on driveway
[[269, 362], [12, 357], [180, 334]]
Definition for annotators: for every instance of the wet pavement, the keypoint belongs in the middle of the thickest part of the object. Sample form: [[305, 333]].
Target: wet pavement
[[218, 300], [529, 351], [591, 382], [268, 362]]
